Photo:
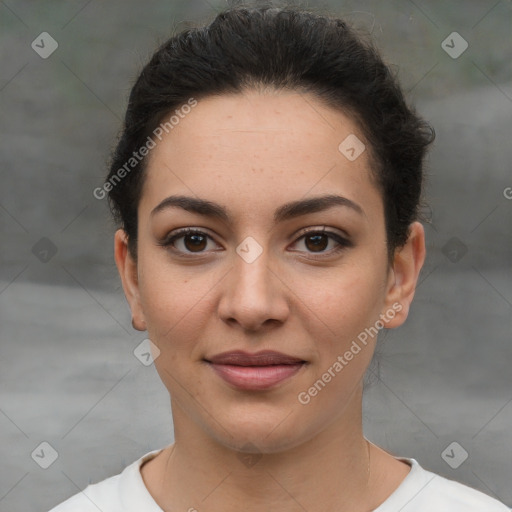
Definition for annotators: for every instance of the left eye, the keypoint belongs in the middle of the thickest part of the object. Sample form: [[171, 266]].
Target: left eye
[[193, 241], [318, 241]]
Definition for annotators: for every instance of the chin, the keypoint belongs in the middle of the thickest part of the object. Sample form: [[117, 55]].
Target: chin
[[259, 431]]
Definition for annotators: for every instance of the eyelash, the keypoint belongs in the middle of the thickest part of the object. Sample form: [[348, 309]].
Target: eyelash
[[343, 243]]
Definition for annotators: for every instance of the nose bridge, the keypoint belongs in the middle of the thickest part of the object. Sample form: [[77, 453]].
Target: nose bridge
[[252, 267], [253, 293]]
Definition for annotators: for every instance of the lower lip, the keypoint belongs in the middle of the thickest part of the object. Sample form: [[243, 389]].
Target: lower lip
[[256, 377]]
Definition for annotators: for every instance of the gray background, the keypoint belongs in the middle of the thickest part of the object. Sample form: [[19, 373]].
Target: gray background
[[68, 373]]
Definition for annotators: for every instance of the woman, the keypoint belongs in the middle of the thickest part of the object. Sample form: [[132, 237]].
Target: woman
[[267, 185]]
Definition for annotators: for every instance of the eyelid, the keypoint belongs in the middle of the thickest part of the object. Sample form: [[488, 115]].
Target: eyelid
[[321, 229], [342, 242], [167, 240]]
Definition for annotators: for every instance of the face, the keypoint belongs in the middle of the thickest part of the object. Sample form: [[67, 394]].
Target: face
[[259, 272]]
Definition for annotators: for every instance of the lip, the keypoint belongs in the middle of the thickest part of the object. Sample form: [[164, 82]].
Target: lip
[[258, 371]]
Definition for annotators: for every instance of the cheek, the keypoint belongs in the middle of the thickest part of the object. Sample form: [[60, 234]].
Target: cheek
[[161, 293], [174, 300], [346, 306], [345, 299]]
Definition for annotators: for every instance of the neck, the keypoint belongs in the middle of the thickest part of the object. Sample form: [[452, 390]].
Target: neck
[[330, 471]]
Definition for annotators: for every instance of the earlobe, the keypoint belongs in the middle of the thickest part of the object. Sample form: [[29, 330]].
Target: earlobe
[[127, 268], [403, 276]]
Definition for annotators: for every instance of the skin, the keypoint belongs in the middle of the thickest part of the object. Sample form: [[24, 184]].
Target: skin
[[252, 153]]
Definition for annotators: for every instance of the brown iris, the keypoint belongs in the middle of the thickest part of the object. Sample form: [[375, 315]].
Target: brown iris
[[317, 244], [197, 241]]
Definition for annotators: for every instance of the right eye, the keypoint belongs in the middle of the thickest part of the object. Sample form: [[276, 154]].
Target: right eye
[[187, 241]]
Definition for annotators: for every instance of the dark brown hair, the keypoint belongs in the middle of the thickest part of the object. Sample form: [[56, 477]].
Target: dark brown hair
[[289, 48]]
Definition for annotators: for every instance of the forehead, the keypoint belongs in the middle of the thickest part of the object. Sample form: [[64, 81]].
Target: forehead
[[255, 149], [301, 118]]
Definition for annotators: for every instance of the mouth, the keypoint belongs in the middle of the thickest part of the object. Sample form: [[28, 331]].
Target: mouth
[[259, 371]]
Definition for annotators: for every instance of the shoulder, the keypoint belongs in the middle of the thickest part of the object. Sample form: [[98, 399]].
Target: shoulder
[[125, 491], [101, 495], [453, 496], [424, 491]]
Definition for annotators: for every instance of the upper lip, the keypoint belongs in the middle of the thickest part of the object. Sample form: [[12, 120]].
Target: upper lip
[[262, 358]]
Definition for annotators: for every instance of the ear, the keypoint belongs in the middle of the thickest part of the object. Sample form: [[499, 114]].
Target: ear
[[403, 276], [127, 268]]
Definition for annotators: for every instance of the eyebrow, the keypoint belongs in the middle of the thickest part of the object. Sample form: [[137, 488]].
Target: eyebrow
[[284, 212]]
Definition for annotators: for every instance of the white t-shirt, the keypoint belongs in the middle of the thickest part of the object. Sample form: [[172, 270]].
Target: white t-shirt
[[420, 491]]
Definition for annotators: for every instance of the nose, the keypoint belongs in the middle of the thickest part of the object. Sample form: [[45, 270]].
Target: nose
[[254, 297]]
